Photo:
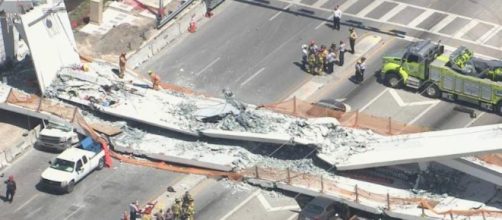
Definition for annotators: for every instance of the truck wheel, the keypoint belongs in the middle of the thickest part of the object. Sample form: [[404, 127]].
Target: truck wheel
[[101, 163], [498, 108], [70, 186], [393, 80], [432, 91]]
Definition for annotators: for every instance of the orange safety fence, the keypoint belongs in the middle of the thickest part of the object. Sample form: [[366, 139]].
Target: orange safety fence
[[67, 112], [380, 125], [315, 182]]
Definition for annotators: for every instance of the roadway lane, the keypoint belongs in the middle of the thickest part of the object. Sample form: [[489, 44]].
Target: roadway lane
[[257, 54], [103, 194], [403, 105], [480, 9], [222, 200]]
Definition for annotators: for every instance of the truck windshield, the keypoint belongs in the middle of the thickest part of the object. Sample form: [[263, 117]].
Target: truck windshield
[[63, 165], [54, 125]]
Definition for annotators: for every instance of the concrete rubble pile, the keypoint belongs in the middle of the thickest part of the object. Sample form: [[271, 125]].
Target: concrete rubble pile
[[101, 89], [237, 157]]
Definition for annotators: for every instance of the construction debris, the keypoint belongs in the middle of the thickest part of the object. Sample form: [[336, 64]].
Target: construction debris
[[101, 89]]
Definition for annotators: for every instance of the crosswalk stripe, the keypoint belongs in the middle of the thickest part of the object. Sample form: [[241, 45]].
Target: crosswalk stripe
[[392, 12], [435, 30], [320, 3], [465, 29], [439, 26], [369, 8], [489, 34], [346, 5], [420, 18]]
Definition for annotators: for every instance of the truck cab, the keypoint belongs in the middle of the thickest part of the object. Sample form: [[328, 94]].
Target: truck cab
[[72, 165], [411, 68], [459, 76], [56, 136]]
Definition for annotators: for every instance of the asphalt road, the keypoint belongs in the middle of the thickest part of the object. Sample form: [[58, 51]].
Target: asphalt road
[[106, 194], [103, 194]]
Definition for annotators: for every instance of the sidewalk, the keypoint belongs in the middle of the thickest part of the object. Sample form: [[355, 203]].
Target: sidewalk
[[307, 91], [166, 200], [129, 28]]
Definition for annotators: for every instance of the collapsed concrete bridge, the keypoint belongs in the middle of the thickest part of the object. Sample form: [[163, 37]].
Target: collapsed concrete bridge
[[131, 99]]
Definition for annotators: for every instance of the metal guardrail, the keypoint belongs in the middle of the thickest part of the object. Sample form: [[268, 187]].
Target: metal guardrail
[[161, 21]]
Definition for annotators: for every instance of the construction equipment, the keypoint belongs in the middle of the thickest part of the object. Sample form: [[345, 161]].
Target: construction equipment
[[461, 76]]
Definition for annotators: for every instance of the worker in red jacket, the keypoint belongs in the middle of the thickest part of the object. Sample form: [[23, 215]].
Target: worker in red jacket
[[11, 189]]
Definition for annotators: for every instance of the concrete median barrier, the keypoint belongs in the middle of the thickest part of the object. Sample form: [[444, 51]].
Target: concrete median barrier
[[168, 34]]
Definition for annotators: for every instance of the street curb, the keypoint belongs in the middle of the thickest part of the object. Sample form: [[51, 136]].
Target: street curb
[[166, 199], [168, 34]]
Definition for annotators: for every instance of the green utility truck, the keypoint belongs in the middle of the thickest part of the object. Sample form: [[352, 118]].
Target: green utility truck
[[423, 66]]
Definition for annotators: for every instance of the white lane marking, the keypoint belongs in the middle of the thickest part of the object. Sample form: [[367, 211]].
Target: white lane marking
[[420, 18], [253, 76], [231, 212], [423, 113], [73, 213], [439, 26], [393, 12], [207, 66], [488, 35], [27, 202], [264, 202], [347, 5], [401, 103], [319, 3], [279, 12], [373, 100], [324, 22], [403, 5], [474, 120], [369, 8], [465, 29], [33, 212]]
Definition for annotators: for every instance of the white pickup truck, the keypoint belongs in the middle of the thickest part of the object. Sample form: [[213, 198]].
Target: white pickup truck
[[72, 165], [56, 136]]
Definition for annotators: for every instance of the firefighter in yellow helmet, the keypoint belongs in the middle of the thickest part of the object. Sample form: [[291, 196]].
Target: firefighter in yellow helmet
[[176, 208]]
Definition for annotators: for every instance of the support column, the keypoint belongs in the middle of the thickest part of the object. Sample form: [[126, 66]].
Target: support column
[[423, 166], [9, 39]]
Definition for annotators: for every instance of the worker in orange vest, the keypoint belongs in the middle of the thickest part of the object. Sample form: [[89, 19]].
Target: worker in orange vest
[[122, 65], [155, 80]]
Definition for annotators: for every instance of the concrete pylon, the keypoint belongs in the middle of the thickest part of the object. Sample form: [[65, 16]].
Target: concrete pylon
[[9, 34]]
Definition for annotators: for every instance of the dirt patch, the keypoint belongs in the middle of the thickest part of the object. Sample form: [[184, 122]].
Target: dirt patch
[[121, 38]]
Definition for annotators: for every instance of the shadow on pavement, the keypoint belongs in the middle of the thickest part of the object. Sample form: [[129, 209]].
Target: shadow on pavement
[[311, 14]]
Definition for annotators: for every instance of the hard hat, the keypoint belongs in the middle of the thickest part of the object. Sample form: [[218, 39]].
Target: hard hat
[[150, 72]]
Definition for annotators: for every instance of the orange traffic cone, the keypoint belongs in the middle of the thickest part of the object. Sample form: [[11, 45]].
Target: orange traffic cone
[[193, 26]]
